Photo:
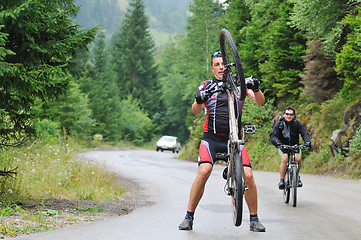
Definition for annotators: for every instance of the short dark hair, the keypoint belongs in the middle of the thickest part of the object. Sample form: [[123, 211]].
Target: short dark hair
[[215, 54], [290, 108]]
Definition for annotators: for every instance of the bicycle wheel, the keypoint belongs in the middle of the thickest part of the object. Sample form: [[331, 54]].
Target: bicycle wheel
[[233, 73], [286, 190], [237, 186], [294, 185]]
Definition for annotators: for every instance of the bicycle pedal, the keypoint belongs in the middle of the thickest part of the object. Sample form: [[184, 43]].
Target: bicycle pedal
[[245, 188]]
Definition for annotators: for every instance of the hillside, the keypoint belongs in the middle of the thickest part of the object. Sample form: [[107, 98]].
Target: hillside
[[165, 16]]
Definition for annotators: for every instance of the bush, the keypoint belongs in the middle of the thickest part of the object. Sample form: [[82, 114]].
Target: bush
[[46, 130], [355, 143], [135, 125]]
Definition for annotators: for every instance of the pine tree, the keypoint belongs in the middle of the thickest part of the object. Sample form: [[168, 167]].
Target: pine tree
[[133, 59], [99, 83], [40, 40], [279, 48]]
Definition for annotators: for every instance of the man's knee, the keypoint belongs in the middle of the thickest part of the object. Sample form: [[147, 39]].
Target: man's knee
[[284, 158], [249, 176], [204, 170]]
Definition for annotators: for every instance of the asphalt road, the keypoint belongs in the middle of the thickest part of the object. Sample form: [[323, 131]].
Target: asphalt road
[[328, 208]]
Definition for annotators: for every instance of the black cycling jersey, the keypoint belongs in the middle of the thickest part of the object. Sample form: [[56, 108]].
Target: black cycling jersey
[[217, 109], [288, 132]]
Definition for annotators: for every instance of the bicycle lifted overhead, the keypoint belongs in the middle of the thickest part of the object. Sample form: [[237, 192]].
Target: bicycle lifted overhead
[[292, 174], [234, 85], [222, 98]]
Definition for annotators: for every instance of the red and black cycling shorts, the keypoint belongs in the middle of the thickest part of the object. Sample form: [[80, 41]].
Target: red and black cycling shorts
[[212, 144]]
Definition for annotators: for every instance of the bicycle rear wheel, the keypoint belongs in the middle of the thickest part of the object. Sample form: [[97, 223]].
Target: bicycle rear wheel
[[294, 184], [233, 73], [238, 189], [286, 190]]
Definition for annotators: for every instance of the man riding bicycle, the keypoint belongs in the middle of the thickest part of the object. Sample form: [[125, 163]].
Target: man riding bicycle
[[215, 139], [286, 132]]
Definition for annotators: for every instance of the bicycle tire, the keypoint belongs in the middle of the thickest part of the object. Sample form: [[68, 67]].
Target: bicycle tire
[[286, 190], [294, 185], [225, 39], [238, 189]]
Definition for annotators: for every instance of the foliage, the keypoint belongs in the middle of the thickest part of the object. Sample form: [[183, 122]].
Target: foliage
[[133, 61], [355, 143], [47, 130], [97, 81], [281, 50], [135, 125], [173, 78], [263, 155], [321, 20], [258, 115], [70, 111], [40, 38], [328, 117], [348, 61]]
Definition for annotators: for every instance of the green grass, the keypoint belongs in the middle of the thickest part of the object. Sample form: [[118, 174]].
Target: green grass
[[46, 171], [53, 171]]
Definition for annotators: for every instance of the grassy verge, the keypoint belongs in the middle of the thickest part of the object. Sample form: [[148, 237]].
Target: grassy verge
[[50, 171]]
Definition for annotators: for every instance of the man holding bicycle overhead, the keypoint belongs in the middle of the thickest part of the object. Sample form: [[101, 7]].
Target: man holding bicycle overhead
[[215, 140], [286, 132]]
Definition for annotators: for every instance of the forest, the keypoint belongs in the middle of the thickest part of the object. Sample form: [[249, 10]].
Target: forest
[[112, 82]]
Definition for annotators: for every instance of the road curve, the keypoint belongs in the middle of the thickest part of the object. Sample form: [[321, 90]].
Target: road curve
[[327, 208]]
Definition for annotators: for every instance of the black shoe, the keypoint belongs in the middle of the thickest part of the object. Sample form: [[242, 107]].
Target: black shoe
[[256, 226], [281, 184], [187, 224], [299, 184]]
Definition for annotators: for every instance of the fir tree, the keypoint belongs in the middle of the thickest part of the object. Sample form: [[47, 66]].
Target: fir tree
[[133, 59], [40, 39]]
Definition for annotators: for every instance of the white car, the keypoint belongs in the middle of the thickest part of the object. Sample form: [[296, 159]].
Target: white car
[[168, 143]]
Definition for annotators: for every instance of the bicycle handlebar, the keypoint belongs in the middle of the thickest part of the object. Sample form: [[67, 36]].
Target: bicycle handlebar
[[294, 147]]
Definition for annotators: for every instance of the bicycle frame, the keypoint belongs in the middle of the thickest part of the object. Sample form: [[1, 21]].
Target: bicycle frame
[[292, 172]]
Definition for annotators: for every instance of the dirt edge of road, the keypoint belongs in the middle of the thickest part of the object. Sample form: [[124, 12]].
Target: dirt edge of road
[[63, 213]]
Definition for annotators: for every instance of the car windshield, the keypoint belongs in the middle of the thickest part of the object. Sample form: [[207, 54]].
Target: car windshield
[[168, 139]]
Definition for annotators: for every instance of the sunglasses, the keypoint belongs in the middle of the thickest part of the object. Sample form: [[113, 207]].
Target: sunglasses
[[289, 114], [216, 53]]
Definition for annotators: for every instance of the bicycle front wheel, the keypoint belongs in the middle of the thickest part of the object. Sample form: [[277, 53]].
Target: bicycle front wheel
[[238, 190], [233, 70], [286, 190], [294, 185]]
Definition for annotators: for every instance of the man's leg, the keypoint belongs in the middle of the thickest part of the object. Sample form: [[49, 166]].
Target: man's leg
[[283, 166], [251, 194], [204, 171], [298, 159], [252, 202]]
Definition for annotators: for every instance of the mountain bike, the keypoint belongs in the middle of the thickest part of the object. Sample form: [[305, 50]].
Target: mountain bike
[[234, 86], [292, 174]]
